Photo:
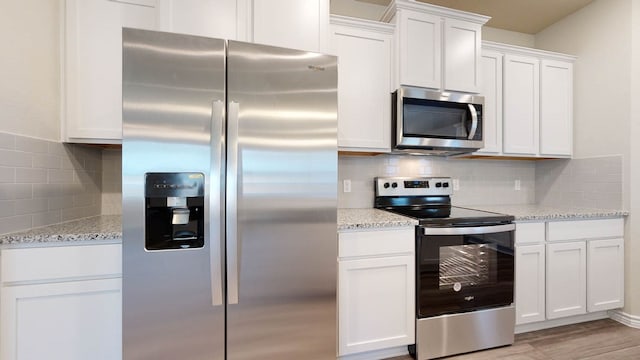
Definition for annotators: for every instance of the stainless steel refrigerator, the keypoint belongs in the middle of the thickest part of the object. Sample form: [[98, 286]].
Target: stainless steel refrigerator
[[229, 200]]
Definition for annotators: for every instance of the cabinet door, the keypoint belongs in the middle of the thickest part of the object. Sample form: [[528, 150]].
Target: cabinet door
[[462, 45], [376, 300], [556, 108], [521, 104], [364, 81], [287, 23], [76, 320], [530, 284], [605, 274], [93, 65], [420, 44], [210, 18], [566, 279], [492, 92]]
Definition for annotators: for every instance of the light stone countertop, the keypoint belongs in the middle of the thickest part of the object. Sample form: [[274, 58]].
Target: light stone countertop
[[533, 212], [96, 228], [352, 219]]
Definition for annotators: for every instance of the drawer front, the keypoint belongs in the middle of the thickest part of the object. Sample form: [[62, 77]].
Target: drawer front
[[585, 229], [528, 233], [376, 242], [60, 262]]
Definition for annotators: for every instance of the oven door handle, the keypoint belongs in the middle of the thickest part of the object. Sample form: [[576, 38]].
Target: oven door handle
[[472, 230]]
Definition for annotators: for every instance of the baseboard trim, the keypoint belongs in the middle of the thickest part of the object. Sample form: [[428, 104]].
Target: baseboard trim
[[377, 354], [548, 324], [625, 319]]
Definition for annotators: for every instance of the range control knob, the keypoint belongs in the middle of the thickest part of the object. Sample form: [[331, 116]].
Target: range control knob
[[394, 185], [438, 185], [445, 185], [386, 185]]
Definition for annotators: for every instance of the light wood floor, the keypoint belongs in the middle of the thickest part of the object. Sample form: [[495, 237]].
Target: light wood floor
[[595, 340]]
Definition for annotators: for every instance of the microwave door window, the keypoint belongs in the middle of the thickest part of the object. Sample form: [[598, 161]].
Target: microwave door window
[[435, 121]]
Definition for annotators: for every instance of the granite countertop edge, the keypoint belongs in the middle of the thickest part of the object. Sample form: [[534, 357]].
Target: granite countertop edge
[[90, 230]]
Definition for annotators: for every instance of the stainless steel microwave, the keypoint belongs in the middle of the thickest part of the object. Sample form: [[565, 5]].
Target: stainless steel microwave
[[435, 122]]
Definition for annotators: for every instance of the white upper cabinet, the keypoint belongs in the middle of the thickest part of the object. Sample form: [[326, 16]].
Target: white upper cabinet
[[462, 55], [292, 24], [435, 47], [556, 108], [528, 96], [521, 104], [210, 18], [93, 66], [364, 85], [492, 110]]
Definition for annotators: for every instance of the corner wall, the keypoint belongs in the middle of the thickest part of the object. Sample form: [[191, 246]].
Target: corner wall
[[30, 86]]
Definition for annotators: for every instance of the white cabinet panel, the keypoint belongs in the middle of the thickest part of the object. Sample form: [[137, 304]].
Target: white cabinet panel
[[374, 243], [462, 44], [605, 274], [71, 321], [492, 111], [530, 283], [93, 65], [521, 104], [376, 304], [584, 229], [530, 232], [556, 108], [566, 279], [210, 18], [420, 49], [364, 82], [288, 23]]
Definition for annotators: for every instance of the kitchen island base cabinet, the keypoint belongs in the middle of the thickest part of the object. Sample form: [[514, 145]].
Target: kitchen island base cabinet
[[376, 290], [76, 320]]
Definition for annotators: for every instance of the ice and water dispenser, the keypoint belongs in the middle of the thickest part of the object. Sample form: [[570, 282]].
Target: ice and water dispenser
[[174, 211]]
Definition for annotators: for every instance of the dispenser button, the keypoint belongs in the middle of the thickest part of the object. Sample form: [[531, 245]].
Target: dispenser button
[[386, 185], [394, 185], [445, 185], [438, 185]]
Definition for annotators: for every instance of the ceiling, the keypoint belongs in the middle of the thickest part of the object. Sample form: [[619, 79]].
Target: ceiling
[[525, 16]]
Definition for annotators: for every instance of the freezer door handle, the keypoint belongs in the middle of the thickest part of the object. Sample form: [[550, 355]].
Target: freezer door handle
[[233, 233], [216, 255]]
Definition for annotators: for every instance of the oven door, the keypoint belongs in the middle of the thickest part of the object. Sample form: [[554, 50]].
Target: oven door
[[464, 268]]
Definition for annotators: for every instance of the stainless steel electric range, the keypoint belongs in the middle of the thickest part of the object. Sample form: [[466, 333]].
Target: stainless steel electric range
[[464, 268]]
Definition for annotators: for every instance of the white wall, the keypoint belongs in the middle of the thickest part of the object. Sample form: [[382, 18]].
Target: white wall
[[357, 9], [605, 82], [30, 63], [508, 37]]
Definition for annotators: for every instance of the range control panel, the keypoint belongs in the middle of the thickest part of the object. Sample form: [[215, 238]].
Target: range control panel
[[418, 186]]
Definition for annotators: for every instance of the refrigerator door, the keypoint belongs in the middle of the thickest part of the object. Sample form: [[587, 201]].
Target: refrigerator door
[[281, 203], [173, 92]]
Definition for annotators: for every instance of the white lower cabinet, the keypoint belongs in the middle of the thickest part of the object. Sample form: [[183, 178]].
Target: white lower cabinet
[[568, 268], [61, 303], [530, 283], [75, 320], [566, 279], [605, 274], [376, 290]]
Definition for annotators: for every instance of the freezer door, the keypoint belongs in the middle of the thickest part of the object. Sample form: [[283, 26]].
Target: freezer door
[[173, 103], [281, 203]]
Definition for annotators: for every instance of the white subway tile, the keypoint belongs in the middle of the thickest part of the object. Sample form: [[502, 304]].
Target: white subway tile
[[31, 176], [15, 223], [47, 218], [15, 158], [7, 141], [15, 191], [32, 145], [31, 206], [46, 161]]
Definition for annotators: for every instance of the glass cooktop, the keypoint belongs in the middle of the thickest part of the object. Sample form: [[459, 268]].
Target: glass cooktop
[[452, 216]]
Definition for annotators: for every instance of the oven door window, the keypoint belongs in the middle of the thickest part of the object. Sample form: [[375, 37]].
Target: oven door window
[[458, 273]]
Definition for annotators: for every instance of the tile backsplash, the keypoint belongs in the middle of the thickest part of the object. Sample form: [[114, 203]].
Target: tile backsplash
[[112, 182], [589, 182], [487, 182], [45, 182]]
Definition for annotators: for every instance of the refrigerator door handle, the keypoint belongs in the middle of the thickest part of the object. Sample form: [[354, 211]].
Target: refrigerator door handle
[[216, 256], [233, 235]]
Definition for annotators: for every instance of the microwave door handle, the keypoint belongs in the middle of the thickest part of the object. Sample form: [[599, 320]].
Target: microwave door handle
[[474, 121]]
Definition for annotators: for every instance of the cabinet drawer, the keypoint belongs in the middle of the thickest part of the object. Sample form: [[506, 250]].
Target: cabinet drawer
[[584, 229], [49, 263], [528, 233], [376, 242]]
